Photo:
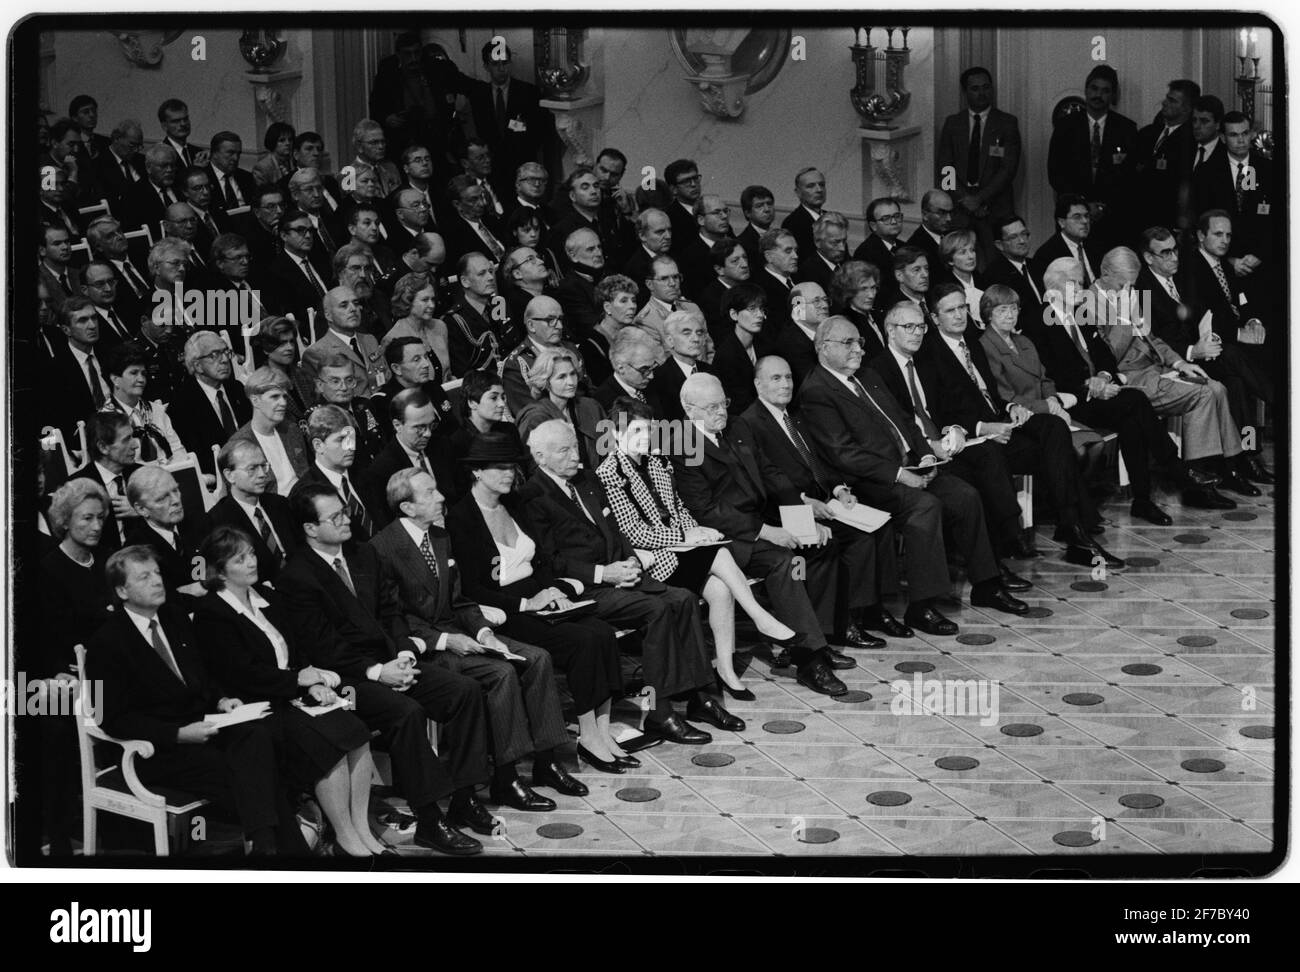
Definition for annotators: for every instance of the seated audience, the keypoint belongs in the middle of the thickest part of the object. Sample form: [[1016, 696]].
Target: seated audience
[[251, 505], [553, 381]]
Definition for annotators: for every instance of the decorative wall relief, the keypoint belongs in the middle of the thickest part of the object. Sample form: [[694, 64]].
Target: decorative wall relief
[[726, 65], [144, 48]]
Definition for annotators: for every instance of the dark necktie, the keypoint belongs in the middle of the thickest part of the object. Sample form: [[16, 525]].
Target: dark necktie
[[356, 349], [341, 568], [312, 276], [119, 485], [264, 528], [1029, 278], [155, 637], [65, 283], [928, 428], [970, 370], [1237, 185], [326, 240], [973, 154], [127, 173], [426, 551], [573, 494], [802, 447], [1200, 157], [1159, 142], [1220, 276], [900, 441], [231, 201], [1080, 342], [1083, 265], [502, 122], [228, 425], [356, 509], [210, 223], [422, 462], [1095, 152], [133, 278], [118, 328], [96, 388]]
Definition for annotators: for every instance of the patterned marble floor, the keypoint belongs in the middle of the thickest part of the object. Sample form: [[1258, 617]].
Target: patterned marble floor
[[1135, 715]]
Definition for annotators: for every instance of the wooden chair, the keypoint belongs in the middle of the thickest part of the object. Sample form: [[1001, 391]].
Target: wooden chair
[[1025, 497], [80, 254], [93, 212], [138, 244], [52, 441], [117, 789], [195, 492]]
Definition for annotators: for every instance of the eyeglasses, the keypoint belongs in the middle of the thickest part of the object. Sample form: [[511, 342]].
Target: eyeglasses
[[689, 180], [716, 408], [856, 342], [1022, 235], [221, 354], [550, 321], [336, 382], [336, 519], [298, 229], [1162, 254], [236, 258], [920, 328], [892, 218], [532, 178], [645, 371]]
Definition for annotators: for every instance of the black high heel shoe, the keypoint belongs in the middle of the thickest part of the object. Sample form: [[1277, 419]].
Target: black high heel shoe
[[595, 762], [740, 695], [628, 762], [789, 642]]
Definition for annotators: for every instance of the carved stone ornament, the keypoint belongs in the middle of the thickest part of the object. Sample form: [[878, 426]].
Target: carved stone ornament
[[144, 48]]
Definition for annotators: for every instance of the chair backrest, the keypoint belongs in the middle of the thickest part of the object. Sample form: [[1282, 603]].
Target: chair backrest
[[96, 210], [52, 441], [87, 730], [194, 491], [243, 210], [138, 244], [80, 254], [221, 480]]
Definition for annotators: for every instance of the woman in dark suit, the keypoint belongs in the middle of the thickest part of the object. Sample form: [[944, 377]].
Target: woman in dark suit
[[249, 645], [276, 344], [744, 308], [959, 252], [650, 513], [495, 542], [553, 380], [1013, 358], [483, 411]]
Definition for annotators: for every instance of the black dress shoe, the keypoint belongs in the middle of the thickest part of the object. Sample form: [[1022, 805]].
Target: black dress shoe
[[520, 797], [855, 637], [552, 775], [885, 623], [469, 812], [1207, 498], [595, 762], [1087, 557], [1189, 477], [443, 837], [929, 621], [1234, 483], [794, 639], [1021, 549], [1112, 562], [839, 661], [1144, 509], [1078, 535], [818, 676], [999, 600], [1249, 467], [711, 711], [674, 729], [1013, 582]]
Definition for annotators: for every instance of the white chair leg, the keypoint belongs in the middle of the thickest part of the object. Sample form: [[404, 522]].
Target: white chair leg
[[1123, 472], [89, 831], [1025, 497], [160, 836]]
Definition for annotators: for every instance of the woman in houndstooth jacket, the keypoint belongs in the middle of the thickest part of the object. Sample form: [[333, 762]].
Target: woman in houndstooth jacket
[[644, 500]]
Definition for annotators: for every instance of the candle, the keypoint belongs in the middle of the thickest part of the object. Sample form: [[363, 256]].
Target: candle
[[1241, 43], [1254, 43]]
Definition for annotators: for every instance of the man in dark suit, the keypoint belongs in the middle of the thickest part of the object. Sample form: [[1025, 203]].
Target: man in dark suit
[[401, 98], [523, 706], [61, 279], [1037, 445], [146, 202], [232, 187], [795, 342], [163, 524], [120, 166], [810, 187], [210, 405], [979, 147], [862, 564], [76, 384], [580, 539], [118, 317], [329, 232], [714, 225], [758, 205], [468, 227], [297, 284], [1093, 154], [884, 218], [829, 250], [347, 612], [1010, 267], [1074, 227], [583, 309], [722, 484], [419, 442], [333, 438], [508, 116], [867, 441], [1161, 186], [777, 275], [655, 234], [249, 506], [632, 356], [684, 336], [685, 185], [155, 687], [478, 335], [937, 216], [112, 445]]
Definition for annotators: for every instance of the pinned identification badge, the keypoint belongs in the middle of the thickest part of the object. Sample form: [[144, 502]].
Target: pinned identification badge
[[517, 125], [1262, 209], [997, 152], [1162, 164]]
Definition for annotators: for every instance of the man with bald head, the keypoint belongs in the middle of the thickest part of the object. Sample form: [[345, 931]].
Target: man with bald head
[[724, 487], [810, 188], [872, 446], [576, 293], [1211, 440], [654, 232], [544, 328], [936, 220], [578, 538], [146, 201], [809, 306], [209, 405], [341, 309]]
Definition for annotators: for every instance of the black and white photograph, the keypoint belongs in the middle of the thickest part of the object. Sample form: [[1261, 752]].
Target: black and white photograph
[[478, 441]]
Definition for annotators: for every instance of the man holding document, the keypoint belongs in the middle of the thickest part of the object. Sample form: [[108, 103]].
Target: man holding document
[[861, 542]]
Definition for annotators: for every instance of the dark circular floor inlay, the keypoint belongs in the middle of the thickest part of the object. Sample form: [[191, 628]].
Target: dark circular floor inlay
[[1089, 587], [1249, 614], [817, 835], [1240, 516], [1141, 801], [1197, 641], [1142, 561], [1074, 838], [889, 798], [1203, 765], [957, 763], [976, 639], [1257, 732], [638, 794], [559, 831], [783, 727], [1083, 698], [853, 695], [908, 667], [1141, 668], [1192, 538], [1021, 729], [1038, 612], [713, 759]]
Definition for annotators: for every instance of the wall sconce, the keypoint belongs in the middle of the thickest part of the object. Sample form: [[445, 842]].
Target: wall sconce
[[557, 54], [879, 95], [726, 65]]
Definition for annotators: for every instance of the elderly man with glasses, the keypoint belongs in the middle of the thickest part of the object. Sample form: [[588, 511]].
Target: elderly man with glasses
[[342, 312], [209, 405], [544, 324]]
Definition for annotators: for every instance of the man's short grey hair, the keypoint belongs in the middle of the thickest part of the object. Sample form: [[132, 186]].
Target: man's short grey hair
[[194, 345], [626, 341], [571, 243], [548, 433], [302, 177], [160, 250], [363, 128], [147, 479], [828, 221], [1054, 275], [643, 219], [825, 327], [698, 384], [161, 153]]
